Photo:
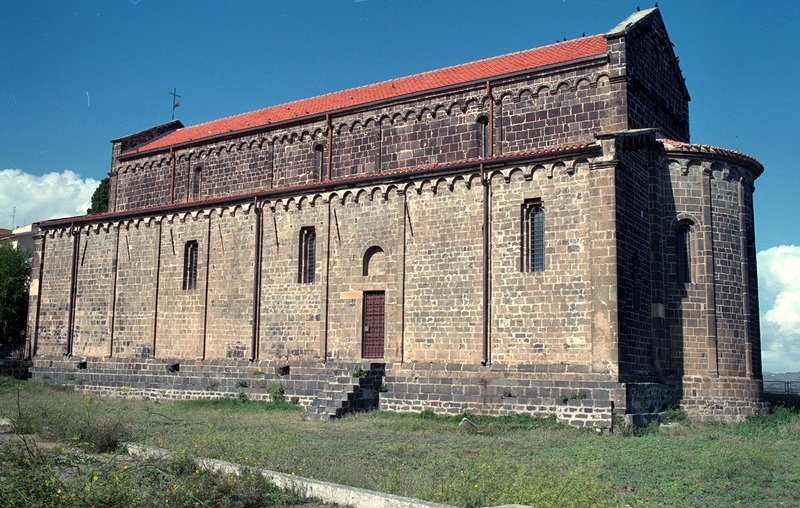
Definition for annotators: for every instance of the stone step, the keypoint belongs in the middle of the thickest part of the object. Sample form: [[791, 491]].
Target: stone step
[[339, 394]]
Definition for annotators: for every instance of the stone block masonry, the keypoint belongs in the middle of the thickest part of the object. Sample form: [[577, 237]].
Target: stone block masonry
[[531, 233]]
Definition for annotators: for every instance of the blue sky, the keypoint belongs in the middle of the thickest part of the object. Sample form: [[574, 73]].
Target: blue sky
[[76, 74]]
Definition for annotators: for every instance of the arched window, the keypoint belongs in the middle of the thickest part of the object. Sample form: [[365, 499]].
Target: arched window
[[683, 252], [190, 265], [308, 255], [319, 161], [196, 182], [485, 138], [532, 238], [373, 262]]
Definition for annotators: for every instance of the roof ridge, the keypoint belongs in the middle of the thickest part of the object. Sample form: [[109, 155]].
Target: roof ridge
[[457, 74], [390, 80]]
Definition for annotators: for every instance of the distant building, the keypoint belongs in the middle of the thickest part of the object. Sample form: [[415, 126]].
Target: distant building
[[20, 237], [528, 233]]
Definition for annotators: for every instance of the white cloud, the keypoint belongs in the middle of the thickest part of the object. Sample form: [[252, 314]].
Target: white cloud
[[38, 198], [779, 299]]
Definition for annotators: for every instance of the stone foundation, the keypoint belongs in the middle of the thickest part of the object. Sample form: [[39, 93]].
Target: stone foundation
[[15, 368], [574, 395], [723, 398], [570, 392]]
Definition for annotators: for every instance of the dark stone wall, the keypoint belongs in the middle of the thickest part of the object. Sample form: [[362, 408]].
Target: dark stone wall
[[657, 96], [530, 112], [571, 393], [634, 290]]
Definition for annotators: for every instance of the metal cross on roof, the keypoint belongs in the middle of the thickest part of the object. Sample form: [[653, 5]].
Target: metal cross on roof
[[175, 104]]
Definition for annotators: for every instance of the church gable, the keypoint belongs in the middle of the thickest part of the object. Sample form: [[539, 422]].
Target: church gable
[[657, 95]]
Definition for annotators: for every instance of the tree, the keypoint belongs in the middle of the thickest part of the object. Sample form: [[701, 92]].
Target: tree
[[100, 198], [15, 277]]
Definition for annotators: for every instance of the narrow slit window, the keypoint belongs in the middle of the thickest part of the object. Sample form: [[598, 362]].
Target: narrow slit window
[[308, 255], [190, 265], [196, 182], [683, 253], [319, 161], [485, 138], [532, 237]]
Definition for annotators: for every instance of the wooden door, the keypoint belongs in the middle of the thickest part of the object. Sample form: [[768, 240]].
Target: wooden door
[[374, 318]]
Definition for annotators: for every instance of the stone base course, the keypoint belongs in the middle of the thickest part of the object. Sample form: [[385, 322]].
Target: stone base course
[[576, 398], [574, 395], [571, 393], [15, 368]]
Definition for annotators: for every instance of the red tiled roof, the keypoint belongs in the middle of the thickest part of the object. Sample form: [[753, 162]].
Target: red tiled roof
[[4, 232], [464, 73], [709, 148], [298, 188]]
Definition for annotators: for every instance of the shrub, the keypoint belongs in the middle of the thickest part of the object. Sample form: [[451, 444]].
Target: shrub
[[277, 392], [673, 416]]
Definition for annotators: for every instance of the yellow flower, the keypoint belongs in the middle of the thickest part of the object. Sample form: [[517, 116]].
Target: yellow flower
[[94, 478], [58, 491]]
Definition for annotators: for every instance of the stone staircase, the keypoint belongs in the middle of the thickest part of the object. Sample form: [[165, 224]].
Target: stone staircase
[[349, 388]]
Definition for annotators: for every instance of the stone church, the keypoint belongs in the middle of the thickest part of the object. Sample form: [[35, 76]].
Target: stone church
[[530, 233]]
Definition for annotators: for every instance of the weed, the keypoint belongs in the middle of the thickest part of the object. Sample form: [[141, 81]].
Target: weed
[[673, 416], [519, 459], [573, 396], [277, 392], [241, 384], [59, 478], [427, 414], [9, 382], [359, 373]]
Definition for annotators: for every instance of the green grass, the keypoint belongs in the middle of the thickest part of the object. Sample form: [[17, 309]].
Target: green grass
[[64, 477], [516, 459]]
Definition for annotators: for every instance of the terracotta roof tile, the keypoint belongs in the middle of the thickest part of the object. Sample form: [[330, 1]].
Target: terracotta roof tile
[[481, 69], [710, 148]]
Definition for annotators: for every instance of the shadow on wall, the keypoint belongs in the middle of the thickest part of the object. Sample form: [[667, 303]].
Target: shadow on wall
[[13, 362]]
